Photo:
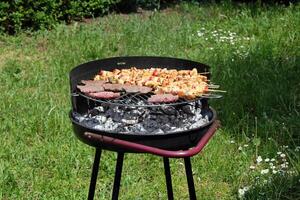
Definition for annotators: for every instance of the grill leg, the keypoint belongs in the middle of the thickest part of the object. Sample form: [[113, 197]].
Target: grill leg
[[189, 176], [94, 174], [168, 178], [118, 173]]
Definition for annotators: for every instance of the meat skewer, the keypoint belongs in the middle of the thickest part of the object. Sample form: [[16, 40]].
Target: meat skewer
[[168, 85]]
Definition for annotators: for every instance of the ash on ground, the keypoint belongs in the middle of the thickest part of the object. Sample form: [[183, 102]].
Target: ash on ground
[[145, 120]]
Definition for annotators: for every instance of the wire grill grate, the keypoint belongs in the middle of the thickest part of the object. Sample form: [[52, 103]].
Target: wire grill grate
[[141, 100]]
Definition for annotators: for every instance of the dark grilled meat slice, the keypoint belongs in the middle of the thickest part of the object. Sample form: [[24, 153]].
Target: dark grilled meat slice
[[90, 88], [105, 95], [136, 89], [163, 98], [126, 88], [113, 87]]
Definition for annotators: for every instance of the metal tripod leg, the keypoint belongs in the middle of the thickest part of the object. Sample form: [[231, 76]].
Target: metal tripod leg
[[117, 180], [189, 176], [168, 178], [94, 174]]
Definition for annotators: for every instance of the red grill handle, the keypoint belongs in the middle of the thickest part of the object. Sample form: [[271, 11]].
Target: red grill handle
[[156, 151]]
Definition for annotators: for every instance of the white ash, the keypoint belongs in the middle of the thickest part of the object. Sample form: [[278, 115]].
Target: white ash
[[145, 120]]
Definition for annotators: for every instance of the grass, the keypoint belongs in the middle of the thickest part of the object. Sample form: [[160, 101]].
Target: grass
[[257, 62]]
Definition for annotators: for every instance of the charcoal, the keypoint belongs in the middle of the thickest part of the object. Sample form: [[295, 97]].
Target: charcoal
[[130, 121], [165, 127], [198, 104], [172, 118], [165, 120], [117, 117], [189, 109], [157, 131], [94, 112], [206, 113], [144, 120], [149, 125], [101, 109], [169, 110], [101, 118]]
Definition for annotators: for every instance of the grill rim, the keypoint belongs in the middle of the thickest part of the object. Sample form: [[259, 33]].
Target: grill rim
[[176, 140], [88, 69]]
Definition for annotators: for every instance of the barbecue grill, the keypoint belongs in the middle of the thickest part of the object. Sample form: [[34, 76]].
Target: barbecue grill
[[180, 142]]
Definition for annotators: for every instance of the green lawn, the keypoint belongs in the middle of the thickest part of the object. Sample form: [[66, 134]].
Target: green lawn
[[254, 55]]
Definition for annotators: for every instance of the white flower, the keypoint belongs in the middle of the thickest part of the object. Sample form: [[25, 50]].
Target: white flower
[[279, 152], [284, 165], [264, 171], [272, 167], [273, 160], [267, 160], [200, 33], [274, 171], [232, 142], [240, 148], [282, 155], [246, 145], [291, 172], [252, 167], [259, 159], [242, 191]]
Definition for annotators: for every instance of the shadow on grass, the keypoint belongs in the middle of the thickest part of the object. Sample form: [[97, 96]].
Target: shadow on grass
[[133, 6]]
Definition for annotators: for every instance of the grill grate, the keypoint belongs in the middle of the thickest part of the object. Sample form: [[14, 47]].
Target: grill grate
[[140, 100]]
